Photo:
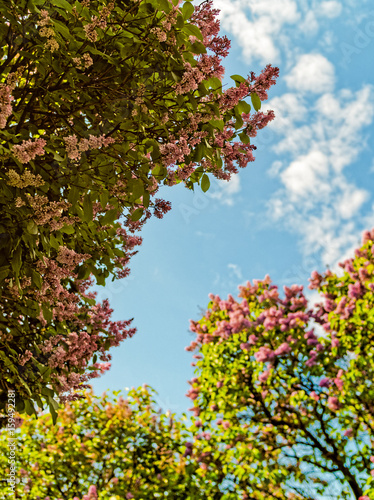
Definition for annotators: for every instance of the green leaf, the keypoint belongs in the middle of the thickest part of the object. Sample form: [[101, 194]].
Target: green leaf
[[198, 153], [47, 313], [20, 405], [136, 188], [104, 198], [31, 227], [4, 271], [57, 157], [87, 208], [74, 195], [243, 107], [187, 10], [255, 101], [163, 5], [63, 4], [68, 229], [62, 29], [146, 199], [205, 183], [109, 217], [137, 214], [220, 124], [191, 29], [53, 412], [237, 78], [17, 260], [54, 242], [239, 121], [244, 138], [215, 83], [36, 279], [159, 172], [29, 408], [176, 78], [180, 22], [198, 48]]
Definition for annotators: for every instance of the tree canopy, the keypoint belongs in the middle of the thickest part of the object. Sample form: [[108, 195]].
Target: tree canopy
[[100, 103]]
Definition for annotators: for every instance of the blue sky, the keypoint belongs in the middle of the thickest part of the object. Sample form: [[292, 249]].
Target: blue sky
[[302, 205]]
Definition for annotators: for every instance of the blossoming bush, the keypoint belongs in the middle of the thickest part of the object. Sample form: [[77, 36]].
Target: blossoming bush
[[100, 103], [285, 389], [105, 448]]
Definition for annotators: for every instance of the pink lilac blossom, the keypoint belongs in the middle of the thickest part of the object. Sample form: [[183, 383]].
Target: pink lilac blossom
[[264, 354], [29, 150], [92, 493], [5, 104], [75, 148], [333, 403]]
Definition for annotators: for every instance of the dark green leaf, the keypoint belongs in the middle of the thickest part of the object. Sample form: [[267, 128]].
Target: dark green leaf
[[109, 217], [87, 208], [17, 260], [31, 227]]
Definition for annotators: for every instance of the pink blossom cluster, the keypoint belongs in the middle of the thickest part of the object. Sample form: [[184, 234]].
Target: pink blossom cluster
[[232, 96], [74, 148], [5, 104], [342, 303], [257, 121], [192, 77], [175, 151], [70, 258], [283, 321], [90, 328], [205, 17], [92, 494], [260, 84], [50, 212], [29, 150], [236, 151], [98, 22]]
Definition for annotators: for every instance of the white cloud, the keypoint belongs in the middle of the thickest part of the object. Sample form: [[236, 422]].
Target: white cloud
[[260, 35], [330, 9], [236, 271], [316, 200], [309, 24], [312, 73], [275, 168], [318, 132], [289, 109], [267, 29], [306, 175], [328, 41], [351, 200]]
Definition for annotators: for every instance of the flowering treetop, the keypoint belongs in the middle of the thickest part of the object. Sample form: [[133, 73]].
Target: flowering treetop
[[289, 386]]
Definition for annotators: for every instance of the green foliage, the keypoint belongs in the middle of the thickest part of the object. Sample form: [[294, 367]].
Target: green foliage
[[121, 446]]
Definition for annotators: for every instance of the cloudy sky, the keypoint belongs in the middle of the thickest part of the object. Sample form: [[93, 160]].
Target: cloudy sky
[[302, 205]]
